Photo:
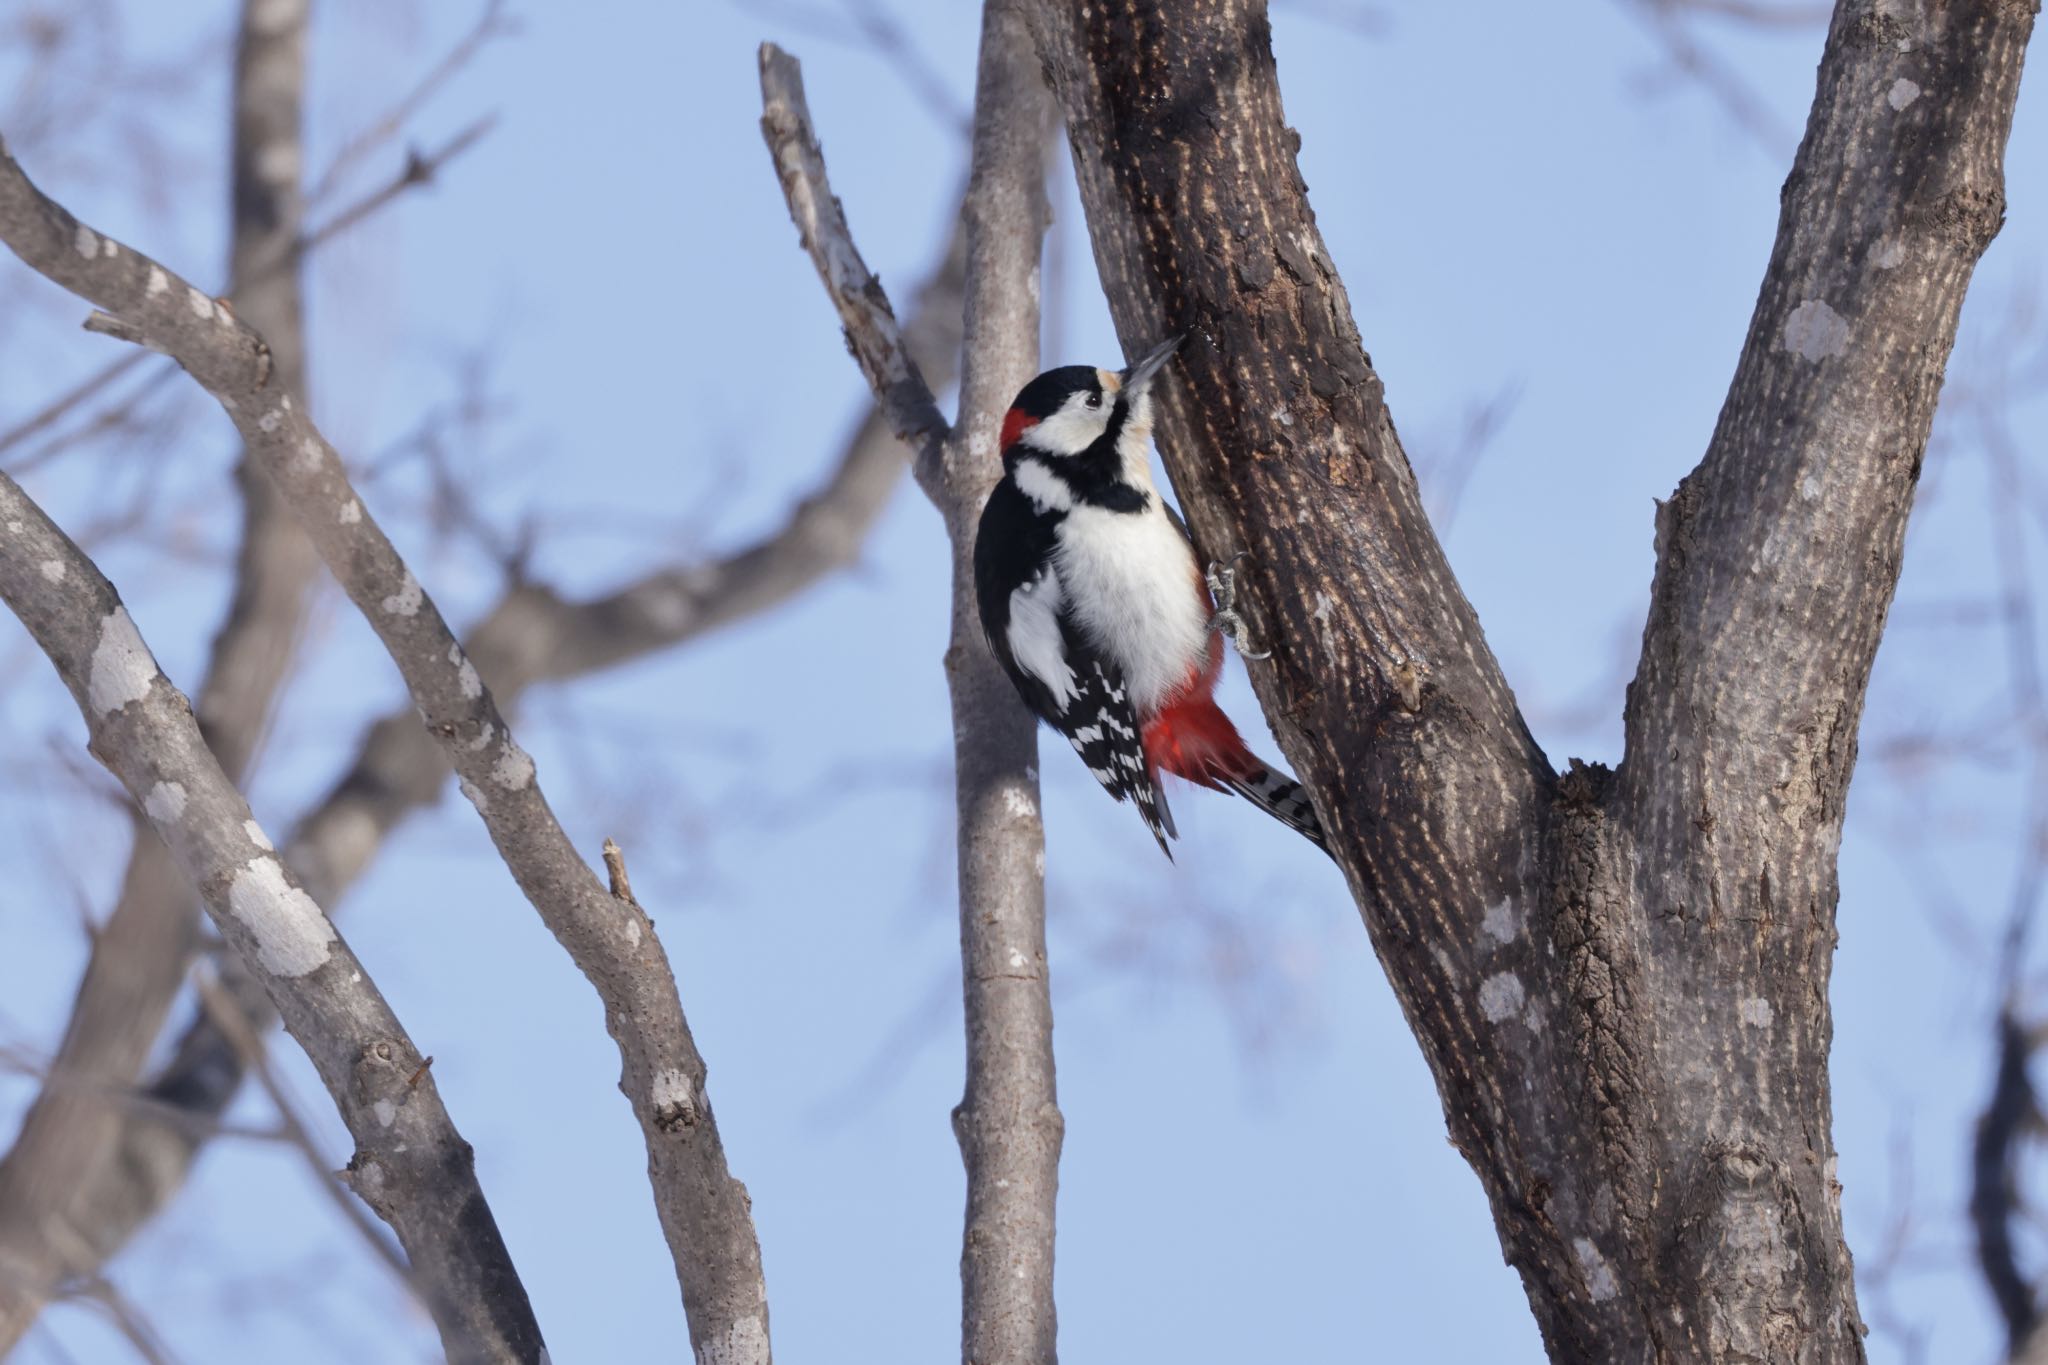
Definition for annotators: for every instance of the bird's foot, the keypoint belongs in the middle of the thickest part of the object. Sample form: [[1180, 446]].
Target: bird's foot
[[1222, 580]]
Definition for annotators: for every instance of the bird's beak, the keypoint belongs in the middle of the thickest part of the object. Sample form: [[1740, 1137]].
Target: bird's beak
[[1137, 376]]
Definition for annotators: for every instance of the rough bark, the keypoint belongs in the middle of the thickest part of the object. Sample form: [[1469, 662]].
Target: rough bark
[[531, 637], [704, 1211], [140, 955], [1619, 980], [410, 1164], [1008, 1123]]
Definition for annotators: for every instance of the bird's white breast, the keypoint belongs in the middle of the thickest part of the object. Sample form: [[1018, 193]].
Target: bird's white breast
[[1130, 581]]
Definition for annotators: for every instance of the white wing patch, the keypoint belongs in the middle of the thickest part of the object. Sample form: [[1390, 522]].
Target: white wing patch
[[1034, 635], [1048, 491]]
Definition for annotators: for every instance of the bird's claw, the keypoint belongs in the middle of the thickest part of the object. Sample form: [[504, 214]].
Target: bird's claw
[[1222, 581]]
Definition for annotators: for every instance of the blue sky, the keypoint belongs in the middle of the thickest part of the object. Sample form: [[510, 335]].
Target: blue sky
[[1526, 206]]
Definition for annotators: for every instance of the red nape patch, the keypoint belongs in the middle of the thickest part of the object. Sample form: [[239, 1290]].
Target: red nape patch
[[1193, 739], [1015, 421]]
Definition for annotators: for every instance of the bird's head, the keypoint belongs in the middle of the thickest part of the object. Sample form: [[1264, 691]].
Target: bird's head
[[1066, 413]]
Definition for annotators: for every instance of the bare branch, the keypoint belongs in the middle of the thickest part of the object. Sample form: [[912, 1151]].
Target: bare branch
[[139, 957], [1995, 1206], [420, 169], [872, 334], [530, 637], [294, 1130], [1008, 1124], [491, 23], [410, 1164], [704, 1211]]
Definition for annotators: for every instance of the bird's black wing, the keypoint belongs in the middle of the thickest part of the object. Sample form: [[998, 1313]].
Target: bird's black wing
[[1068, 683]]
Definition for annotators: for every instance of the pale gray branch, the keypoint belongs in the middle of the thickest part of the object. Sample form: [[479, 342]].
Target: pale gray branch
[[139, 956], [704, 1211], [1008, 1123], [531, 637], [872, 333], [410, 1164]]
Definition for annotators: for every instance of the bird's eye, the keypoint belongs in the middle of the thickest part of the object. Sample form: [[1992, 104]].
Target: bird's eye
[[1094, 400]]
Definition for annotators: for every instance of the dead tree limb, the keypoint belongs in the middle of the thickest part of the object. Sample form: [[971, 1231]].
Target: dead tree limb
[[1619, 980]]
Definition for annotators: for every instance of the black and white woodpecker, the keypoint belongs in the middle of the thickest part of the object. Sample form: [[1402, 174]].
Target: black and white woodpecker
[[1094, 604]]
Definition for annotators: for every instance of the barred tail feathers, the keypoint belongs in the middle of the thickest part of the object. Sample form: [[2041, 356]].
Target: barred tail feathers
[[1192, 738], [1280, 796]]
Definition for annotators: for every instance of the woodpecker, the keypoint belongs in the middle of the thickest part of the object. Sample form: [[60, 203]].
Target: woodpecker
[[1093, 603]]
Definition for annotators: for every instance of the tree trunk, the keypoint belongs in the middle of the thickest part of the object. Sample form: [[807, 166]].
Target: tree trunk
[[1618, 979]]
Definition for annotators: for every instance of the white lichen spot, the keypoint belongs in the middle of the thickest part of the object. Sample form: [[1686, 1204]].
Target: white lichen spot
[[465, 673], [980, 446], [1890, 254], [672, 1091], [745, 1342], [352, 836], [483, 739], [1756, 1012], [165, 802], [1903, 93], [1809, 487], [370, 1176], [222, 313], [202, 303], [257, 836], [270, 421], [386, 1112], [1018, 803], [87, 242], [406, 601], [1283, 417], [109, 248], [310, 451], [158, 281], [1815, 331], [275, 16], [15, 528], [1499, 921], [476, 796], [351, 513], [122, 667], [1321, 615], [278, 162], [513, 769], [52, 569], [670, 609], [1016, 960], [1038, 863], [1500, 996], [1600, 1282], [292, 936]]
